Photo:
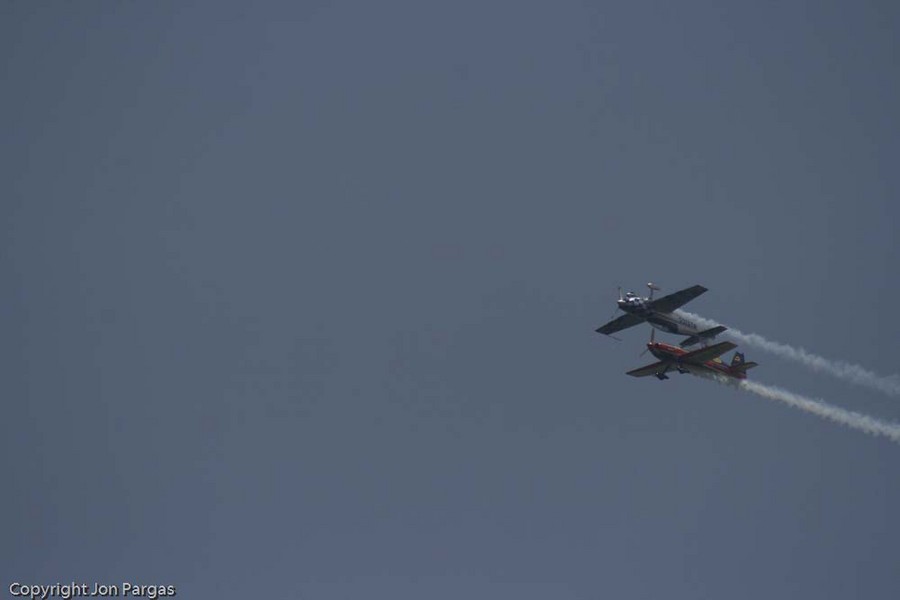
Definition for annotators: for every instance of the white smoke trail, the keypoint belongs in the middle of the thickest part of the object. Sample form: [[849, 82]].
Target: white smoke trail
[[856, 420], [842, 370]]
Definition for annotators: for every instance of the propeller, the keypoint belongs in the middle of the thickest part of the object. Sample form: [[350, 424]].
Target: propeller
[[616, 309], [612, 316], [652, 340]]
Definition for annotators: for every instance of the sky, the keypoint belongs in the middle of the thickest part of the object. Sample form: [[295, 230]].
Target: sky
[[300, 296]]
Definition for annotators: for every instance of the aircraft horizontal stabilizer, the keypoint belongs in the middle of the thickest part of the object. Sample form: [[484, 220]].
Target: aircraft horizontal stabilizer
[[745, 366], [708, 333]]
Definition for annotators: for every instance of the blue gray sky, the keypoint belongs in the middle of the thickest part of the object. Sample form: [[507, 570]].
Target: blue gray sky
[[300, 296]]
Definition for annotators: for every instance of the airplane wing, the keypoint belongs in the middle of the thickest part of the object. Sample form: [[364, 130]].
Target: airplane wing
[[623, 322], [710, 352], [677, 300], [648, 370]]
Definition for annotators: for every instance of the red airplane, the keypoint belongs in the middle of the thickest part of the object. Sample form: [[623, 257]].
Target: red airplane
[[704, 362]]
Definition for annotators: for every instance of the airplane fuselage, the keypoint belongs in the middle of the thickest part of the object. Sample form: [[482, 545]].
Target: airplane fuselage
[[663, 314], [670, 322], [710, 369]]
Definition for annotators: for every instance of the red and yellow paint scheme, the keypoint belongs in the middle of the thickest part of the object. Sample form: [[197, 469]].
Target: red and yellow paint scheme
[[704, 362]]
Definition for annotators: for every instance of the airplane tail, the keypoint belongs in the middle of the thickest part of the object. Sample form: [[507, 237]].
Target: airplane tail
[[739, 364]]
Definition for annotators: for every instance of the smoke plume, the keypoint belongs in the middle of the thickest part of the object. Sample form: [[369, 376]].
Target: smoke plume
[[837, 368], [855, 420]]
